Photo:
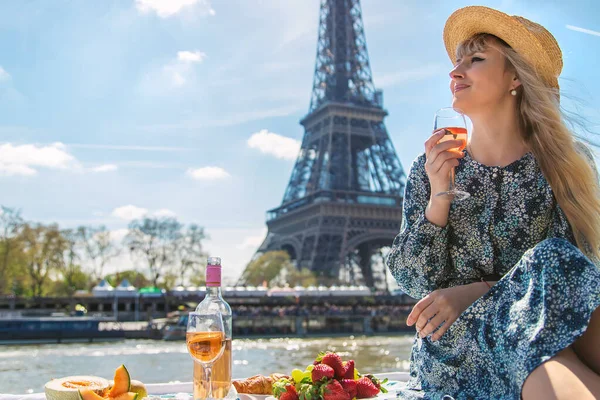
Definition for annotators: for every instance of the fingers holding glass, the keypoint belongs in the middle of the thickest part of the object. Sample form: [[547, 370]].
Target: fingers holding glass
[[454, 126]]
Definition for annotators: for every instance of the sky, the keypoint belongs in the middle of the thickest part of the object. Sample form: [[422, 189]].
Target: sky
[[112, 110]]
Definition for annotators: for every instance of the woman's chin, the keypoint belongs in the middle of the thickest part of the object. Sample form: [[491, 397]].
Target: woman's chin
[[460, 104]]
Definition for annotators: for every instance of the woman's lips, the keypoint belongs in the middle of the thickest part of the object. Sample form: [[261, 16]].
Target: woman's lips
[[460, 87]]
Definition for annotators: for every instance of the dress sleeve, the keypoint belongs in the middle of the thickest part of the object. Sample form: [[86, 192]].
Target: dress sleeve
[[418, 259]]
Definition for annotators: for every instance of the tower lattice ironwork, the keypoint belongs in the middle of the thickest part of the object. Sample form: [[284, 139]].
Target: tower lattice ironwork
[[344, 198]]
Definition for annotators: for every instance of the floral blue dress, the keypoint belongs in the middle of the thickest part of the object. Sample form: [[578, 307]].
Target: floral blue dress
[[511, 227]]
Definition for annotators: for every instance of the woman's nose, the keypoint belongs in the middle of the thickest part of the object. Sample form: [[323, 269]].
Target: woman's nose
[[457, 72]]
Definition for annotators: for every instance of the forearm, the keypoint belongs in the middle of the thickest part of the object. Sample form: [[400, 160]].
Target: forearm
[[478, 289]]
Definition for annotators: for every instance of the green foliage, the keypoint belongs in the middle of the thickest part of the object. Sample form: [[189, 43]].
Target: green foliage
[[304, 277], [135, 278], [43, 260], [276, 268], [43, 247], [76, 280], [154, 240]]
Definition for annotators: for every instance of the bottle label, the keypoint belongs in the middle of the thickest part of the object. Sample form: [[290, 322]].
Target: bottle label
[[213, 275]]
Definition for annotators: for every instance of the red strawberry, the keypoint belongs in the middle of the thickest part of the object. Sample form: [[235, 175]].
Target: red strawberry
[[284, 389], [334, 391], [378, 382], [349, 386], [290, 393], [335, 362], [349, 370], [322, 371], [365, 388]]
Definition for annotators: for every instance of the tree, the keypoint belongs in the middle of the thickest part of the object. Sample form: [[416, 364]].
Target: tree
[[136, 278], [10, 225], [76, 280], [189, 254], [43, 247], [154, 240], [73, 276], [304, 277], [267, 267], [98, 248]]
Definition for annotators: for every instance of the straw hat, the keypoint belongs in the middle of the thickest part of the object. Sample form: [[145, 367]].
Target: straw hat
[[532, 41]]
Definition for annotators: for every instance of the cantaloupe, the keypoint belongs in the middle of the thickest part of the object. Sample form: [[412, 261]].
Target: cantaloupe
[[122, 383], [87, 394], [68, 388], [126, 396]]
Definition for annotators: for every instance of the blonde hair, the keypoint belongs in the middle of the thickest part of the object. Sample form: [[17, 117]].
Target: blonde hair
[[570, 174]]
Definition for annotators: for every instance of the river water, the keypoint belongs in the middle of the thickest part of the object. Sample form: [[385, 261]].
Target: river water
[[25, 369]]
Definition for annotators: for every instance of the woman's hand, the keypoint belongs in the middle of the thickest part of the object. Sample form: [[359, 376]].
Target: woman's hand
[[443, 306], [440, 160]]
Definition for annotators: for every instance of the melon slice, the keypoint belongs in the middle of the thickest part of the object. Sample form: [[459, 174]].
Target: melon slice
[[122, 382], [68, 388], [126, 396], [89, 395]]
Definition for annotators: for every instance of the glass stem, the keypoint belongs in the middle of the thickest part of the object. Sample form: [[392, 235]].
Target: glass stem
[[451, 187], [208, 380]]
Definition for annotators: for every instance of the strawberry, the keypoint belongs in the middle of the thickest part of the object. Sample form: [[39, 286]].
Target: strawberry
[[334, 390], [366, 388], [378, 383], [335, 362], [349, 386], [284, 389], [349, 370], [322, 371]]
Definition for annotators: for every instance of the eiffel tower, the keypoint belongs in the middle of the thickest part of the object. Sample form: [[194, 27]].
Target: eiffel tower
[[344, 198]]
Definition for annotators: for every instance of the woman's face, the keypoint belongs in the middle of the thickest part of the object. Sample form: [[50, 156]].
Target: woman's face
[[481, 81]]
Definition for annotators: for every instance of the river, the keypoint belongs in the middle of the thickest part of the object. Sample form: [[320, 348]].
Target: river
[[26, 368]]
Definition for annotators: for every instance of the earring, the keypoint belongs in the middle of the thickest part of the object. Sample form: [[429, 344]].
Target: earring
[[513, 92]]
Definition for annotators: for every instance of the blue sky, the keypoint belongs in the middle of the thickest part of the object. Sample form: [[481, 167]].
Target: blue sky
[[114, 109]]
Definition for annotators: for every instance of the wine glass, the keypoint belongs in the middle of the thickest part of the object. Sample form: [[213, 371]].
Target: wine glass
[[205, 339], [453, 121]]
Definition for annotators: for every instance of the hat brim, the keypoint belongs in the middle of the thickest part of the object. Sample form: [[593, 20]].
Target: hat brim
[[466, 22]]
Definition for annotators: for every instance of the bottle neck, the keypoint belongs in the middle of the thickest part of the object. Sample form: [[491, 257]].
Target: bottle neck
[[213, 291]]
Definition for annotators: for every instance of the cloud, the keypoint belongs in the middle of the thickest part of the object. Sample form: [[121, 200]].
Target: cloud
[[208, 173], [105, 168], [4, 76], [405, 75], [164, 213], [16, 169], [588, 31], [191, 56], [23, 159], [271, 143], [252, 241], [168, 8], [172, 74], [129, 212]]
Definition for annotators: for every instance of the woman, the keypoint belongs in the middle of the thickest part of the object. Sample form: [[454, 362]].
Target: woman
[[509, 293]]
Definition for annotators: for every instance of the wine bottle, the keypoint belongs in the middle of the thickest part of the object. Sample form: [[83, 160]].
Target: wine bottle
[[221, 370]]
